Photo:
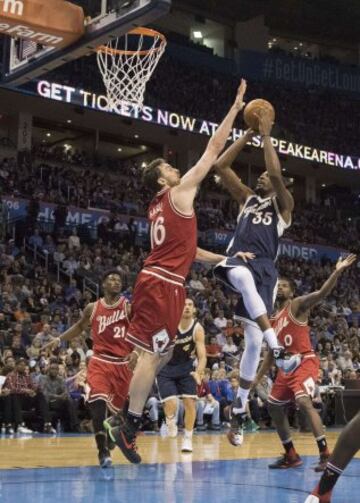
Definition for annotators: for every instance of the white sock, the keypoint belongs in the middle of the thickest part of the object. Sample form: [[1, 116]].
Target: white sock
[[188, 433], [243, 395], [271, 338]]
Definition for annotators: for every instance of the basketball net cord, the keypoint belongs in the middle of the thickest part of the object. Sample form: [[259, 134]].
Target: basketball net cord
[[126, 72]]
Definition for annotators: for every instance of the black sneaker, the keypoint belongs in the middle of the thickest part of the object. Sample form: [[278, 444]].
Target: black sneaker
[[105, 459], [286, 461], [125, 438]]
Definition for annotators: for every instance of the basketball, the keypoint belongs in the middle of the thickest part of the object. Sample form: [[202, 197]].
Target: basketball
[[253, 108]]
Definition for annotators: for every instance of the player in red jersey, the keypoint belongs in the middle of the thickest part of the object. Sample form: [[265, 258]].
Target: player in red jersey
[[108, 373], [292, 329], [159, 294], [345, 449]]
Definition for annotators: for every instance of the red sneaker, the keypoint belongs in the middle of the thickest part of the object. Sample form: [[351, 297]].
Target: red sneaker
[[286, 461], [316, 498]]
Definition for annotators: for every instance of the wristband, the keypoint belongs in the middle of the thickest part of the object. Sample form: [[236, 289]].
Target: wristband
[[262, 136]]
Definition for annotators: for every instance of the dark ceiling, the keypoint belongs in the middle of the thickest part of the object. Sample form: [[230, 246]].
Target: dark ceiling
[[324, 20]]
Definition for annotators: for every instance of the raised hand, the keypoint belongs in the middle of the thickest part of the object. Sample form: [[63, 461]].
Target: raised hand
[[345, 262], [239, 100]]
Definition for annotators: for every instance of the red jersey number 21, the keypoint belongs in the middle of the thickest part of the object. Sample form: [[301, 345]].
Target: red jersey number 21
[[157, 232]]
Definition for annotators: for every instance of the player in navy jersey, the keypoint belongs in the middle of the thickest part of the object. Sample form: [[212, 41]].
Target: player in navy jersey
[[178, 379], [249, 268]]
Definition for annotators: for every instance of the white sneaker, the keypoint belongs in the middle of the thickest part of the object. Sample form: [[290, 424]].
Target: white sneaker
[[22, 430], [172, 429], [187, 444], [236, 438], [312, 499]]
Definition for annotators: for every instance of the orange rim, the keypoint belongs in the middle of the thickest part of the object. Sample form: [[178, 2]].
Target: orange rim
[[147, 32]]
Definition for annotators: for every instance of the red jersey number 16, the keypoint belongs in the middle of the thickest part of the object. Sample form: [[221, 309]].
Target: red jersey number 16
[[157, 232]]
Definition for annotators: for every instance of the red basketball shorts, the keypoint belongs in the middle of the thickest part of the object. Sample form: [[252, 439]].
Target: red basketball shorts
[[157, 306], [301, 382], [108, 381]]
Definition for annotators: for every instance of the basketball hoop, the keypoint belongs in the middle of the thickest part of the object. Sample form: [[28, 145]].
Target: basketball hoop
[[127, 63]]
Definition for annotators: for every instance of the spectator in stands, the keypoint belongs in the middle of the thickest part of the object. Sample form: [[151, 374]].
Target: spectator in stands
[[220, 321], [213, 352], [60, 215], [45, 335], [36, 240], [70, 265], [25, 396], [57, 395], [74, 241], [344, 361], [17, 348], [49, 245]]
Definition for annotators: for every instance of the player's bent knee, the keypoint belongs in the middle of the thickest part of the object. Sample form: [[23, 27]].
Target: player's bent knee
[[275, 410], [304, 403]]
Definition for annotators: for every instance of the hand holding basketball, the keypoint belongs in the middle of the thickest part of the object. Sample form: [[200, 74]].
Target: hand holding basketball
[[256, 109], [265, 122]]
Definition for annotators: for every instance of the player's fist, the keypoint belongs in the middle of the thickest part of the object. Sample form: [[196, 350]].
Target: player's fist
[[132, 360], [196, 376]]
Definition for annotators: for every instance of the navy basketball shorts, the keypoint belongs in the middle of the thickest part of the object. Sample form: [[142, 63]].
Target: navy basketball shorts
[[265, 276], [175, 381]]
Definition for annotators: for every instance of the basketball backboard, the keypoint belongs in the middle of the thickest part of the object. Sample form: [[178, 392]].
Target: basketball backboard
[[25, 60]]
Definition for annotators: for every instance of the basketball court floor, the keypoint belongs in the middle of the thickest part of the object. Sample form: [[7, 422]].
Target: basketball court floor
[[64, 469]]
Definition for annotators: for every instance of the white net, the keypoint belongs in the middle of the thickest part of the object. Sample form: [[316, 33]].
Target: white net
[[127, 63]]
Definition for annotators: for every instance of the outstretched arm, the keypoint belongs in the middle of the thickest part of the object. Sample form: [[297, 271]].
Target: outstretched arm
[[208, 257], [74, 331], [273, 167], [301, 305], [183, 195], [239, 191]]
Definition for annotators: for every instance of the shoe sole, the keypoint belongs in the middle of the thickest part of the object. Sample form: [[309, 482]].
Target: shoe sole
[[319, 469], [229, 437], [106, 464], [286, 467]]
